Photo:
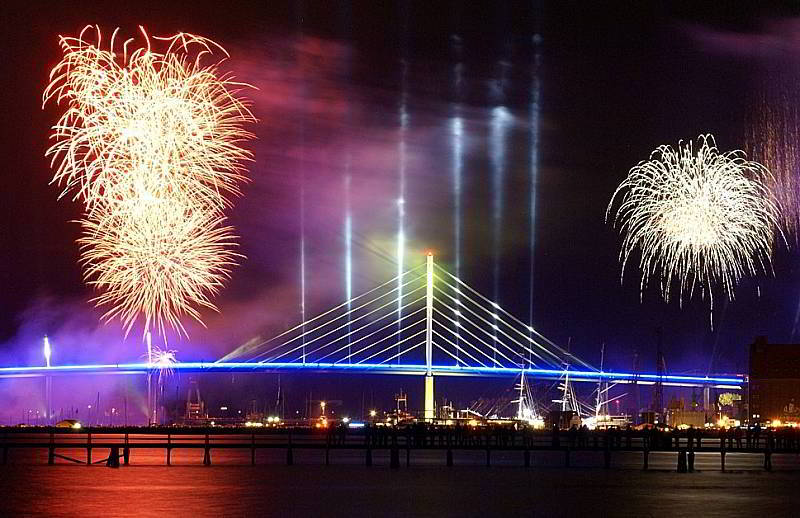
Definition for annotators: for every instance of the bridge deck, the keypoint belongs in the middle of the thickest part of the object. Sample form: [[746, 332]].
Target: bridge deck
[[714, 381]]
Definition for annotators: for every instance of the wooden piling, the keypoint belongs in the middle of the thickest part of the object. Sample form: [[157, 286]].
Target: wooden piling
[[207, 454], [394, 455], [646, 458], [113, 457], [126, 451], [51, 451], [682, 461]]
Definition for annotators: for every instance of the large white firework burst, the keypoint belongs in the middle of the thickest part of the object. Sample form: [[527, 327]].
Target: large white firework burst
[[150, 140], [700, 220]]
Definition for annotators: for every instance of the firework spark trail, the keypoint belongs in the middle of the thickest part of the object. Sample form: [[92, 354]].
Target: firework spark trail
[[698, 219], [773, 142], [151, 143]]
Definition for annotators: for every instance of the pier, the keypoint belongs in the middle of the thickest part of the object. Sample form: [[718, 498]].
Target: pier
[[112, 446]]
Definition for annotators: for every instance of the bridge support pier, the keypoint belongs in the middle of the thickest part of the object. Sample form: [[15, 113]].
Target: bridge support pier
[[429, 399]]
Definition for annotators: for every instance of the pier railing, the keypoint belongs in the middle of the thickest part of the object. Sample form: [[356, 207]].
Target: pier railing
[[115, 444]]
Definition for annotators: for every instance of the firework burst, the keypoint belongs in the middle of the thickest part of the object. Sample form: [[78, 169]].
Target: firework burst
[[700, 220], [151, 143], [159, 260], [163, 360], [133, 114]]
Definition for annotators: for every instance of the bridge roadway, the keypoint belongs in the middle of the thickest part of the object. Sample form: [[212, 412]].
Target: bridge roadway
[[115, 444], [734, 382]]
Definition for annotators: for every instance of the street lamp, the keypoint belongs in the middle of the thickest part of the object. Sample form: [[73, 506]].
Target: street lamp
[[48, 382], [322, 407], [47, 351]]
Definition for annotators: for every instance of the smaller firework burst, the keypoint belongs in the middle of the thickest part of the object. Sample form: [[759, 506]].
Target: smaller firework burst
[[159, 259], [163, 360]]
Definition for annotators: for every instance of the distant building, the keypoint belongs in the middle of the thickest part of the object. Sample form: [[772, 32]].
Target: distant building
[[774, 390], [680, 417]]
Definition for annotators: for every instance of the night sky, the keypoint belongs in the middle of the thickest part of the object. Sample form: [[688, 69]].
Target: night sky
[[333, 79]]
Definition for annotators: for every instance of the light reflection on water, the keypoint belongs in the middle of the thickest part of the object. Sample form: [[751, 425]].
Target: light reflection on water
[[231, 487]]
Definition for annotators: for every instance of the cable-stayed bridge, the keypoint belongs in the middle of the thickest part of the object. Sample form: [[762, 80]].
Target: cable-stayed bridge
[[424, 322]]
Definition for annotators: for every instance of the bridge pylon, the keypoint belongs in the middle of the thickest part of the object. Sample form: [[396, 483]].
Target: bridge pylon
[[429, 394]]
